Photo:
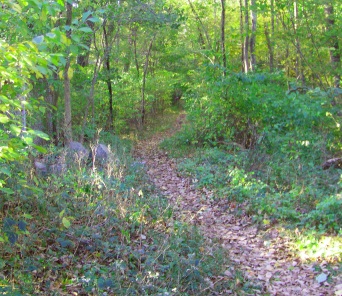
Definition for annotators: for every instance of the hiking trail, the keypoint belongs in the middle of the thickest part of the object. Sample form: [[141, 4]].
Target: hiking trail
[[264, 256]]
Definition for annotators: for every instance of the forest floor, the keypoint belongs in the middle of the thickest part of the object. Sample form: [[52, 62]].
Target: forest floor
[[264, 255]]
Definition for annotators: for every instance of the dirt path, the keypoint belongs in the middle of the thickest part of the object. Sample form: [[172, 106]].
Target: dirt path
[[263, 256]]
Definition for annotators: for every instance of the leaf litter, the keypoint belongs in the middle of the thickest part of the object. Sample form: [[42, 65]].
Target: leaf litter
[[264, 256]]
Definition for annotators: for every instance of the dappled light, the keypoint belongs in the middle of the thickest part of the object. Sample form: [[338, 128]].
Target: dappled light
[[170, 147], [312, 247]]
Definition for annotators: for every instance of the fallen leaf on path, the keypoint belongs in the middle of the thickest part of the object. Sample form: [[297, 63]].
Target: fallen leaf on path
[[321, 278]]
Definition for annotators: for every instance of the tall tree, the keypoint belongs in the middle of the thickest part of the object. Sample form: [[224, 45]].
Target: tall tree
[[223, 37], [246, 42], [253, 35], [299, 56], [66, 76], [108, 71], [143, 87]]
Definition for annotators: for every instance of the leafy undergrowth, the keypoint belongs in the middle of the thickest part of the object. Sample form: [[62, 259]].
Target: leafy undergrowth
[[102, 232], [262, 149], [296, 195], [285, 186]]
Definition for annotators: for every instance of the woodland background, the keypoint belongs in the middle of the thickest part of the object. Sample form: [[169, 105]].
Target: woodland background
[[260, 83]]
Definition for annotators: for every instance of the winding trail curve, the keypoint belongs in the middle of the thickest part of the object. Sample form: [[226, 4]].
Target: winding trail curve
[[263, 256]]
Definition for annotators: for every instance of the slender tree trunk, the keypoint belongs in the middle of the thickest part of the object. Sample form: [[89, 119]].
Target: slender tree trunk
[[299, 65], [270, 47], [270, 38], [223, 38], [241, 36], [108, 79], [143, 110], [134, 36], [23, 114], [253, 35], [246, 43], [67, 95], [335, 57], [272, 17]]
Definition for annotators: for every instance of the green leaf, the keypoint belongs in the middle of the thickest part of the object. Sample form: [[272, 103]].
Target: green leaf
[[86, 15], [15, 129], [38, 39], [51, 35], [3, 118], [27, 216], [16, 7], [7, 190], [28, 140], [8, 223], [22, 225], [42, 70], [39, 134], [39, 148], [12, 237], [105, 283], [6, 171], [61, 214], [65, 242], [86, 30], [93, 19], [66, 222]]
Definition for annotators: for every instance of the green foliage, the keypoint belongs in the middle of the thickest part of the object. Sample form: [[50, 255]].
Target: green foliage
[[267, 148], [103, 231], [270, 187]]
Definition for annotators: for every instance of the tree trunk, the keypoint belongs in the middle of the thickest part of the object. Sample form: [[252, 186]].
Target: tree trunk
[[271, 38], [143, 110], [223, 39], [299, 66], [241, 36], [270, 47], [134, 36], [253, 35], [67, 95], [108, 79], [246, 43], [272, 17], [335, 57]]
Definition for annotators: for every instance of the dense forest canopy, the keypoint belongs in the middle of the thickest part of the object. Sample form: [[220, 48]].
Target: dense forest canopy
[[111, 64]]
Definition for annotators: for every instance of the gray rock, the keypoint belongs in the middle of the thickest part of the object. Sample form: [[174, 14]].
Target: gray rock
[[40, 167], [77, 150], [100, 154], [58, 168]]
